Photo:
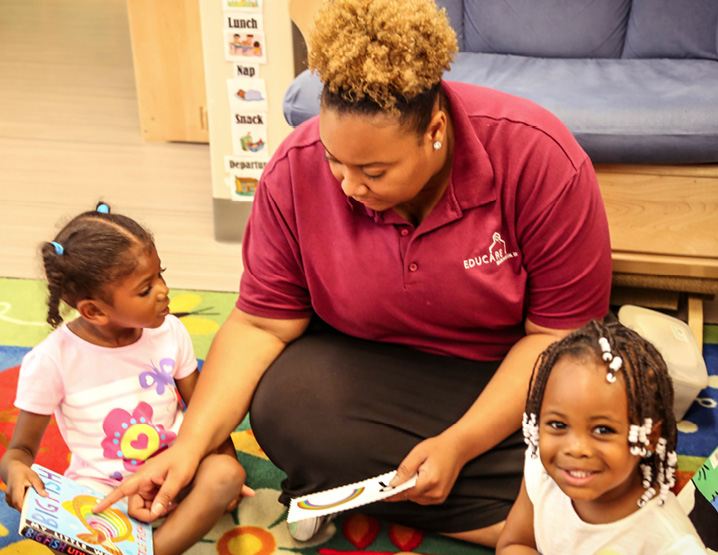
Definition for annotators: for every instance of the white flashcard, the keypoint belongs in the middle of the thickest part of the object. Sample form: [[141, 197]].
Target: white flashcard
[[245, 46], [243, 5], [245, 69], [346, 497], [244, 174], [247, 94]]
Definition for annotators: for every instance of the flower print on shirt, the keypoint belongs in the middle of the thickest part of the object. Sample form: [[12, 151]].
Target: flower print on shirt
[[133, 437]]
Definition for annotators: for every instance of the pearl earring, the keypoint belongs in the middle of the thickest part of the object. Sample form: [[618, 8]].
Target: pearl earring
[[437, 145]]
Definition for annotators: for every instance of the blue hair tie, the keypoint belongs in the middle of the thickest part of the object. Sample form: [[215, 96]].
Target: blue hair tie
[[59, 249], [102, 208]]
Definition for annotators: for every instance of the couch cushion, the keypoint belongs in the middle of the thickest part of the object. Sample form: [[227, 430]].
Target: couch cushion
[[672, 29], [302, 98], [620, 111], [552, 28], [455, 13]]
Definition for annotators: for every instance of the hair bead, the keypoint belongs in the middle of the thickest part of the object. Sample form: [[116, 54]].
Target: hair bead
[[646, 470], [530, 430], [615, 364]]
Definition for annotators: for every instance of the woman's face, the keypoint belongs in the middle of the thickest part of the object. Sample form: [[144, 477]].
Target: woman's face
[[378, 162]]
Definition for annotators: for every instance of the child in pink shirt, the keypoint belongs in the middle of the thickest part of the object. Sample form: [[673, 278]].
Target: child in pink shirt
[[115, 377]]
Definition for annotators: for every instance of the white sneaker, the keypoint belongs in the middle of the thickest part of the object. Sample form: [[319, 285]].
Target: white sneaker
[[305, 529]]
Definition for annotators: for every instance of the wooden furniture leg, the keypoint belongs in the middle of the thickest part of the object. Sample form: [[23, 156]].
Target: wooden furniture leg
[[695, 317]]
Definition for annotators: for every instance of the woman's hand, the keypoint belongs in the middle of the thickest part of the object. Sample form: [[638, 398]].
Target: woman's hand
[[437, 464], [19, 478], [139, 506], [157, 482]]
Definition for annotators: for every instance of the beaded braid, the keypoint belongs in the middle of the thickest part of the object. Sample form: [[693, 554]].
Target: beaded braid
[[648, 388], [94, 249]]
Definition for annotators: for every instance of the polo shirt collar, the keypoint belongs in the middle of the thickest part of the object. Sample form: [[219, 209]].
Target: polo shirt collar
[[472, 174]]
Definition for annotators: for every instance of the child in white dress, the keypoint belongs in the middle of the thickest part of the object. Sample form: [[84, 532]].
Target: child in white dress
[[601, 459]]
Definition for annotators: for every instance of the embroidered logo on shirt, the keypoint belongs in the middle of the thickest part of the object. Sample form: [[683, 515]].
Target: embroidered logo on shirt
[[496, 254]]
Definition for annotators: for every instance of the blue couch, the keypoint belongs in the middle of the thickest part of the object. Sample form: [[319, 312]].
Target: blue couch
[[636, 81]]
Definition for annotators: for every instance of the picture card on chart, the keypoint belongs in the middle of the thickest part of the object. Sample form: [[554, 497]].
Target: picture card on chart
[[243, 45], [244, 174], [247, 94], [247, 6]]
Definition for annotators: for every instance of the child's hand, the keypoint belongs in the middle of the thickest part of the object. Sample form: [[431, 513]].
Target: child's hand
[[19, 478]]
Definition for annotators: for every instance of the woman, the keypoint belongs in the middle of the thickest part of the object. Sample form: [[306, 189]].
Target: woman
[[439, 236]]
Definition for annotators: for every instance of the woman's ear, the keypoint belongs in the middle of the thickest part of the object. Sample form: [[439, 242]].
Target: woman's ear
[[436, 131], [92, 312]]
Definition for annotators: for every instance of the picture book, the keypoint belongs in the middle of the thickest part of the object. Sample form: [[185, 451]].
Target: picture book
[[64, 521], [699, 499]]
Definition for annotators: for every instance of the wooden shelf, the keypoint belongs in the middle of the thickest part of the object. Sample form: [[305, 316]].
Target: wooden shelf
[[169, 70], [663, 219]]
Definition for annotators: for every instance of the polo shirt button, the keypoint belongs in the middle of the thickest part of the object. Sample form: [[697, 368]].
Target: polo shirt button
[[404, 232], [413, 267]]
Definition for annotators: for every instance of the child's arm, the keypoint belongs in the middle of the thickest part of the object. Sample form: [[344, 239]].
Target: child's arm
[[517, 536], [15, 468], [186, 386]]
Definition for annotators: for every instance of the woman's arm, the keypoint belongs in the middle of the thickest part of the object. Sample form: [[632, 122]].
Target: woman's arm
[[494, 416], [242, 350], [15, 468], [518, 536]]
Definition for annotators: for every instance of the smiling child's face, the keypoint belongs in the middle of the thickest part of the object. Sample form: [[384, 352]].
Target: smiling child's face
[[583, 439]]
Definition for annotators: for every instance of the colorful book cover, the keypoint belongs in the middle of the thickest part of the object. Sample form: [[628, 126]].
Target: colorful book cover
[[706, 479], [699, 499], [64, 521]]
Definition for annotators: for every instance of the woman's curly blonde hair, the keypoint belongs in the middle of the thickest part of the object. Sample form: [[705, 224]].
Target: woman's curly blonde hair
[[387, 51]]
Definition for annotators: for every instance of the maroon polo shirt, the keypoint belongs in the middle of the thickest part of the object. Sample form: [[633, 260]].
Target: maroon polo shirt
[[520, 232]]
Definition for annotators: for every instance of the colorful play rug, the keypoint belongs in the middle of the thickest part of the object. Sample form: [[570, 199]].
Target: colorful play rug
[[259, 527]]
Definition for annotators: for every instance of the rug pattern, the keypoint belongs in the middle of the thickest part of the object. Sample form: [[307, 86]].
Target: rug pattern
[[258, 526]]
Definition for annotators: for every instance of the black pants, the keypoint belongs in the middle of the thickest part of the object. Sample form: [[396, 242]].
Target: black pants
[[333, 409]]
